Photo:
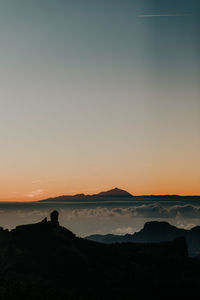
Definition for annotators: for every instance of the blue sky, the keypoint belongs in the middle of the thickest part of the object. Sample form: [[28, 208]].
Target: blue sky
[[97, 94]]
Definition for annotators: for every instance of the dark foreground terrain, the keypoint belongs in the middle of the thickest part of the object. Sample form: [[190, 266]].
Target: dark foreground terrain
[[47, 261], [155, 232]]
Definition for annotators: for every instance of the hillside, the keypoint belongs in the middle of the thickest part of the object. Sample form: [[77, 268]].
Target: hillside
[[47, 261]]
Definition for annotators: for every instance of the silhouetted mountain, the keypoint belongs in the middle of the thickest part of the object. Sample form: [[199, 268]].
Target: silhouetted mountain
[[155, 232], [47, 261], [113, 194], [116, 195]]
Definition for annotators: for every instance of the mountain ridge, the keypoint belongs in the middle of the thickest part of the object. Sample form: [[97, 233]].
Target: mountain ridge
[[113, 194], [109, 194], [155, 232]]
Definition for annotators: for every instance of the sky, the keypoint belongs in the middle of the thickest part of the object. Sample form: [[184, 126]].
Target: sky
[[99, 94]]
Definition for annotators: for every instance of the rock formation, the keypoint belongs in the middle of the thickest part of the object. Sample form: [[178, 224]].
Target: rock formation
[[54, 217]]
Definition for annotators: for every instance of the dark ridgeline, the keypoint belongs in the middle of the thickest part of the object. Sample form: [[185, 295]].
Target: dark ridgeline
[[47, 261], [155, 232]]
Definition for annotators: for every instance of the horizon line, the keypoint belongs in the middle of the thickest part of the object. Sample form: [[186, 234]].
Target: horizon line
[[51, 197]]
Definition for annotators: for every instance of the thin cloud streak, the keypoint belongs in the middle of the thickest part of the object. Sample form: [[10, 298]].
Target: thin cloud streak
[[35, 193], [162, 15]]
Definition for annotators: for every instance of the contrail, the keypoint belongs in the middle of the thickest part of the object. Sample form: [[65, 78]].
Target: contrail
[[162, 15]]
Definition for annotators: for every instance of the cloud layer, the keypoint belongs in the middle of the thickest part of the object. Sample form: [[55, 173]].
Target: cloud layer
[[153, 210]]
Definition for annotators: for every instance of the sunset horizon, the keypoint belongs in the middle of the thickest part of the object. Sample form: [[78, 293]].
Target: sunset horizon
[[39, 194]]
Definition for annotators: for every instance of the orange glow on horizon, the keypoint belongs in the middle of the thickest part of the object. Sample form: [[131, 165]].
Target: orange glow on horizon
[[17, 197], [148, 179]]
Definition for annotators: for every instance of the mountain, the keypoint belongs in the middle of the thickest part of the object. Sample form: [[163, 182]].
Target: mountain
[[47, 261], [113, 194], [116, 194], [155, 232]]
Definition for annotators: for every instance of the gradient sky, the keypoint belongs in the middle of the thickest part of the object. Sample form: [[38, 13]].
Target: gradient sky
[[99, 94]]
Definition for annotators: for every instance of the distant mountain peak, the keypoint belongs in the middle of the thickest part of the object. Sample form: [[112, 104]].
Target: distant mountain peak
[[115, 192]]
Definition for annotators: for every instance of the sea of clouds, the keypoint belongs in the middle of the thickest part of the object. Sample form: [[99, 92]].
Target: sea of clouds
[[104, 218], [153, 210]]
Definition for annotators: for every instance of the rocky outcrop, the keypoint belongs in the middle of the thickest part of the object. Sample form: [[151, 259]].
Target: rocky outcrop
[[54, 217]]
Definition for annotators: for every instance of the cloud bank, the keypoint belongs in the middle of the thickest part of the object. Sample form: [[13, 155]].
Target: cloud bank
[[153, 210]]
